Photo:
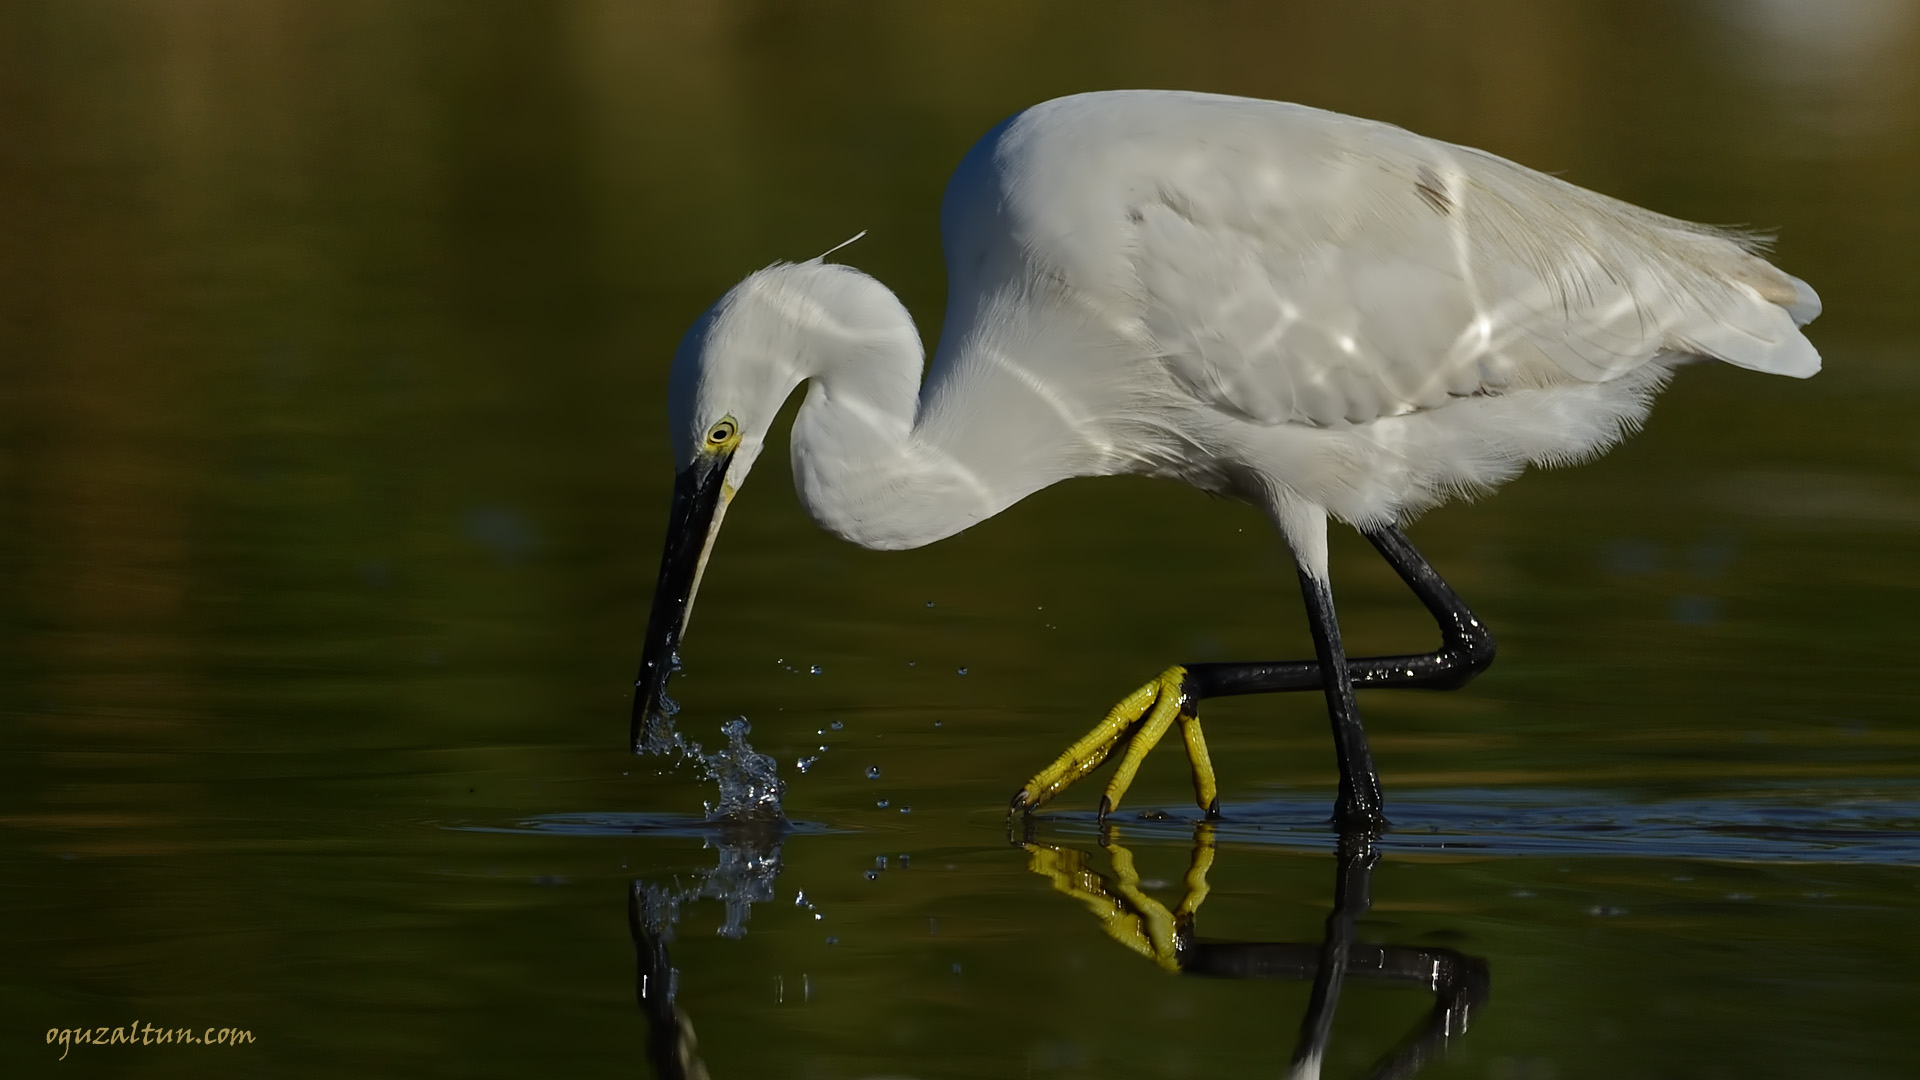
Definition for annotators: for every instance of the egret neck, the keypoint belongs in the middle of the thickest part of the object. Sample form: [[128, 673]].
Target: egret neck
[[875, 460]]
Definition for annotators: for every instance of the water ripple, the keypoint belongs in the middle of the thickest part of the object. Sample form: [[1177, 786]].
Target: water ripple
[[641, 824], [1882, 831]]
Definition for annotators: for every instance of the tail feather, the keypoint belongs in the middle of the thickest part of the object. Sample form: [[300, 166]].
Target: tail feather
[[1806, 303], [1757, 328]]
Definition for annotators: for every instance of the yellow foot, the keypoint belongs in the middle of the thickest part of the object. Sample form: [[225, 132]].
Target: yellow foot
[[1139, 721], [1127, 914]]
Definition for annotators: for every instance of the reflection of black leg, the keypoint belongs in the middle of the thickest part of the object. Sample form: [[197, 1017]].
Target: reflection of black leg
[[1459, 983], [1460, 986], [671, 1047], [1351, 898]]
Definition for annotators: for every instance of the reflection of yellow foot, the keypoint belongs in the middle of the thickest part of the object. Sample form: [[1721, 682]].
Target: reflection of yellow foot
[[1140, 720], [1126, 912]]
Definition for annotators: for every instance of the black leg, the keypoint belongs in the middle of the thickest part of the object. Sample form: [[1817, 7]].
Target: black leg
[[1466, 649], [1466, 646], [1359, 805], [1143, 717]]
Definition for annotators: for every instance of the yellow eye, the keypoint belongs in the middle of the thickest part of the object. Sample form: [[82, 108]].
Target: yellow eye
[[722, 433]]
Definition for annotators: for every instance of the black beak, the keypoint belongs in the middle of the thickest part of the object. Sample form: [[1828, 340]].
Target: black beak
[[690, 530]]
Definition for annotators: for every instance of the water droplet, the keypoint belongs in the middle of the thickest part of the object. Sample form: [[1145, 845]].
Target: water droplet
[[831, 940], [879, 862], [963, 671], [805, 763], [836, 725], [813, 669], [882, 804], [873, 772], [873, 875], [906, 861], [929, 603], [906, 809], [936, 723], [817, 916], [956, 969]]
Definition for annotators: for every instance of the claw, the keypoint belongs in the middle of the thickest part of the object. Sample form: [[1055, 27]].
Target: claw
[[1139, 722]]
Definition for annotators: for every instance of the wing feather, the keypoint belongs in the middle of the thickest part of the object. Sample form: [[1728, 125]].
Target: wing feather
[[1296, 266]]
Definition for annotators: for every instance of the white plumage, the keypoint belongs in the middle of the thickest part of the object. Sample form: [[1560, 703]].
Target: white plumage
[[1316, 313]]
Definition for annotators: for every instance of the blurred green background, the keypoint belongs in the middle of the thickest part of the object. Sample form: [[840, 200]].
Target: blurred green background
[[333, 342]]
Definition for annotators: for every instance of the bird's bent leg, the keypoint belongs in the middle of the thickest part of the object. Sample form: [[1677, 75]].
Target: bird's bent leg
[[1466, 646], [1140, 721], [1466, 649], [1359, 804]]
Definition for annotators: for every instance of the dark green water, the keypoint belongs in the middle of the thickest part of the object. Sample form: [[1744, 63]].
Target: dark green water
[[333, 341]]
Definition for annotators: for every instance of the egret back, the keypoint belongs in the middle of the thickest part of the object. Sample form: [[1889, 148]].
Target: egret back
[[1291, 266]]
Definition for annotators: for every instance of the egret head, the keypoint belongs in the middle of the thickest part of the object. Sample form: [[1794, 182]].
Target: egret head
[[734, 370]]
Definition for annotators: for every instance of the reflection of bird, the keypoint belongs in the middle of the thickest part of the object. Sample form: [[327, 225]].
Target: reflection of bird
[[1131, 917], [1319, 315]]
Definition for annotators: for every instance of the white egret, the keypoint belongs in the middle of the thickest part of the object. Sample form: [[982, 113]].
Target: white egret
[[1320, 315]]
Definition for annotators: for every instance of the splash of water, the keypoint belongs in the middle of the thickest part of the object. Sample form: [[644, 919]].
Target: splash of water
[[749, 781], [750, 784]]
